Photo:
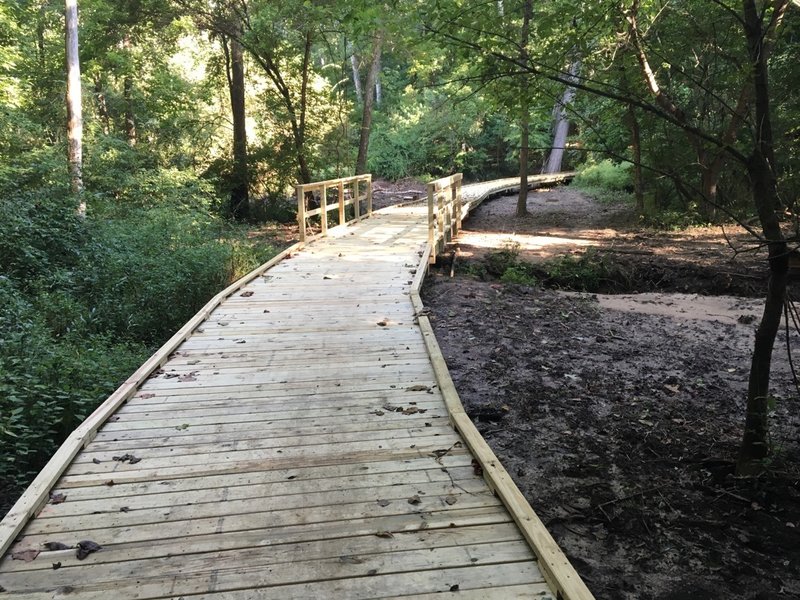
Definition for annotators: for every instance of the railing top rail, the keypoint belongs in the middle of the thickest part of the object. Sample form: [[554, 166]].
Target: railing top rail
[[331, 182]]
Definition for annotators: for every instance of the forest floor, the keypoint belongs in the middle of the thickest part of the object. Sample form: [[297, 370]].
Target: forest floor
[[619, 414]]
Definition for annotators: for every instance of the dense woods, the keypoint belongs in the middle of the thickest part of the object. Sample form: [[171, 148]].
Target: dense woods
[[127, 206]]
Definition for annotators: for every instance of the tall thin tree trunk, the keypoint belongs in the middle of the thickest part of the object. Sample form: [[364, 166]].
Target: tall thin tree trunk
[[240, 201], [369, 97], [378, 86], [761, 168], [524, 117], [636, 145], [102, 106], [561, 127], [127, 94], [356, 77], [74, 106]]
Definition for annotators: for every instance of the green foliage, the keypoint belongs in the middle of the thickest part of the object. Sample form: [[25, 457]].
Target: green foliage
[[586, 272], [520, 274], [606, 175]]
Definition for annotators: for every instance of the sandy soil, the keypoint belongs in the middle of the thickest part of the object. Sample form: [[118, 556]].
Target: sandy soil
[[619, 415]]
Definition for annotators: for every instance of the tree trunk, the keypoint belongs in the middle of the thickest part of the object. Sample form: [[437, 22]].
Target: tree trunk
[[378, 86], [561, 127], [356, 77], [74, 106], [239, 201], [524, 116], [762, 168], [636, 146], [369, 97], [102, 106], [127, 94]]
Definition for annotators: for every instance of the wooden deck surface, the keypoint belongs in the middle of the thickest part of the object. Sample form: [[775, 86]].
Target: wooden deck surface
[[295, 445]]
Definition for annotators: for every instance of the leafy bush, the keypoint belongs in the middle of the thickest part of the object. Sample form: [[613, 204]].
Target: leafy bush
[[520, 274], [606, 175]]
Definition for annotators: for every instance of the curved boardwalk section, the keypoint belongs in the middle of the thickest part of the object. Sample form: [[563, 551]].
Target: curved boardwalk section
[[295, 445]]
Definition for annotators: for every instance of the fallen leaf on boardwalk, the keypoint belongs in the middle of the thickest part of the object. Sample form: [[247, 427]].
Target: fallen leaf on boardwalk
[[26, 555], [414, 499], [223, 323], [53, 546], [57, 498], [383, 323], [477, 468], [372, 572], [411, 410], [418, 388], [350, 560], [326, 277], [188, 376], [182, 426], [109, 483], [96, 461], [87, 547], [247, 294], [146, 396], [124, 509], [392, 408], [454, 588], [171, 375], [384, 534], [451, 500], [129, 458], [380, 413], [56, 565], [191, 362], [241, 341], [384, 502]]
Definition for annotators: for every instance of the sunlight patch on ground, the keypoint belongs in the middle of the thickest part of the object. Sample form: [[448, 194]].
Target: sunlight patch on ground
[[502, 240]]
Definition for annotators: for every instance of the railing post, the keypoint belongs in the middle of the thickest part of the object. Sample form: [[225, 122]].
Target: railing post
[[458, 204], [323, 204], [440, 216], [357, 198], [431, 224], [369, 195], [341, 203], [301, 212]]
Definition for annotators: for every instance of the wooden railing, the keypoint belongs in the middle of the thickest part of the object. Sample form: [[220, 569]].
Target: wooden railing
[[350, 191], [444, 212]]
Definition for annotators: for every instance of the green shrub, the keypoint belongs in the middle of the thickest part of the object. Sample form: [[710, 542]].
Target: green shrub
[[606, 175], [520, 274]]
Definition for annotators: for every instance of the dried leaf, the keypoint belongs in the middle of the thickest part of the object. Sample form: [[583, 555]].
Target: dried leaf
[[454, 588], [384, 502], [25, 555], [124, 509], [477, 468], [350, 560], [171, 375], [96, 461], [247, 293], [53, 546], [451, 499], [372, 572], [223, 323], [193, 362], [57, 498], [146, 396], [109, 483], [414, 499], [384, 534], [411, 410], [87, 547], [129, 458], [188, 376], [182, 426], [56, 565], [383, 323], [380, 413], [418, 388]]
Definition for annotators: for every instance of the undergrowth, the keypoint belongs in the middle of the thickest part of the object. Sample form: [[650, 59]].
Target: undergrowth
[[84, 302]]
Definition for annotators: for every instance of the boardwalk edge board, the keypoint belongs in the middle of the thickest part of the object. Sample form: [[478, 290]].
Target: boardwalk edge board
[[556, 568]]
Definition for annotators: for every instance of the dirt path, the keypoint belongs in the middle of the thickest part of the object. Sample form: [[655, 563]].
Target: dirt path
[[619, 415]]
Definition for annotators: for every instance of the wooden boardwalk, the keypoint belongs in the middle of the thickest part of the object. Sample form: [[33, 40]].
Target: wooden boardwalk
[[297, 440]]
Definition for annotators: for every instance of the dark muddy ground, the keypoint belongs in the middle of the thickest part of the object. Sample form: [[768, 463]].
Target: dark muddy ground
[[620, 416]]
